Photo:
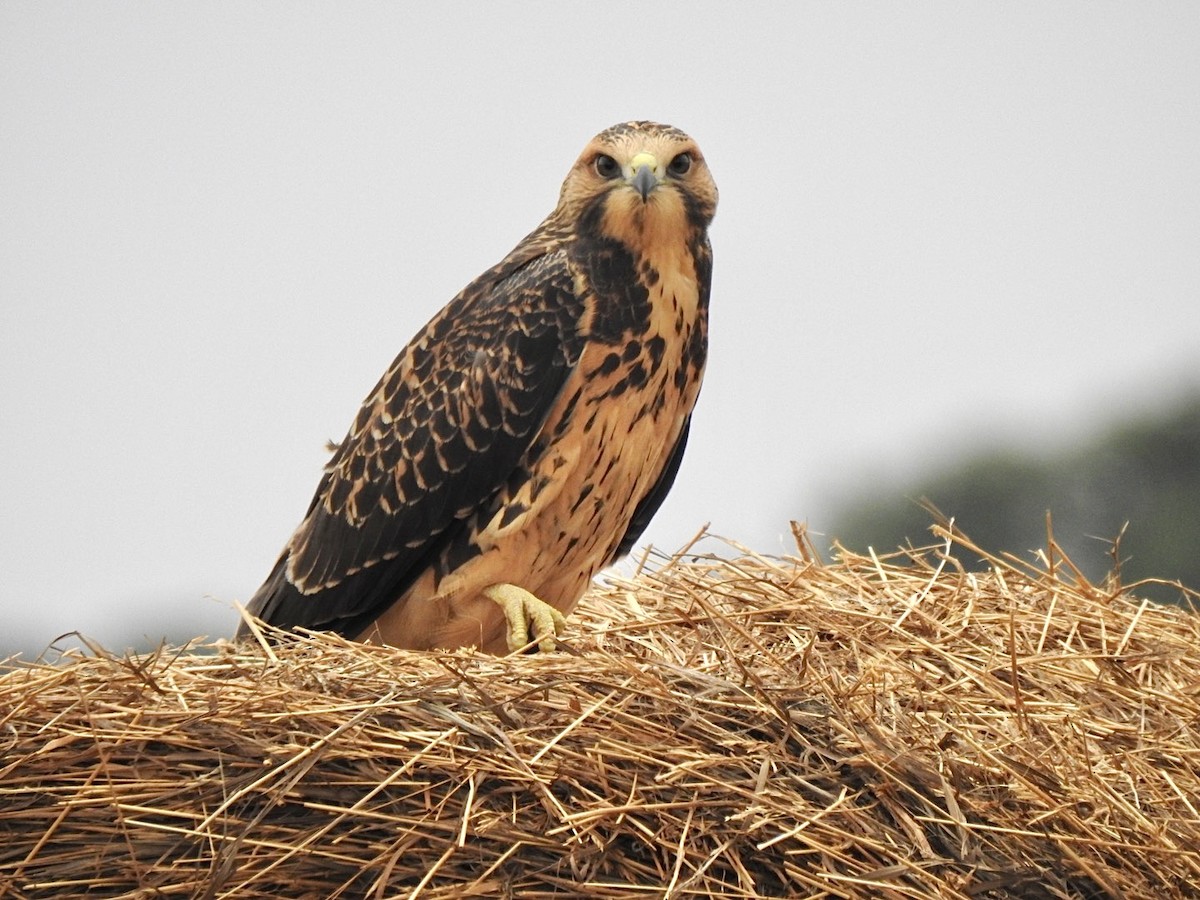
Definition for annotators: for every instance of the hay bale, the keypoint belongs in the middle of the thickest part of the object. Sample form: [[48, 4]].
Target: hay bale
[[751, 727]]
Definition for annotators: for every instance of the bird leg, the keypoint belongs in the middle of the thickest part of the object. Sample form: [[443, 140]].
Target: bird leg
[[527, 616]]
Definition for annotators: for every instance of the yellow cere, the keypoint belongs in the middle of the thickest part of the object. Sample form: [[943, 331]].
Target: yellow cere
[[644, 159]]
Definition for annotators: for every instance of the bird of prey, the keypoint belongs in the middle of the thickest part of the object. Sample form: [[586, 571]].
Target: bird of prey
[[525, 436]]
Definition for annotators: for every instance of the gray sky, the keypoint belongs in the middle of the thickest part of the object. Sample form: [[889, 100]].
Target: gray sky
[[941, 226]]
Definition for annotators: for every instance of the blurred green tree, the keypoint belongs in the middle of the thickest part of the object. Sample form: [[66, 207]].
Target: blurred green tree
[[1146, 474]]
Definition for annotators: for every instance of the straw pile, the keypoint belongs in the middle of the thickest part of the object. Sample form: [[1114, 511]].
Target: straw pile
[[751, 727]]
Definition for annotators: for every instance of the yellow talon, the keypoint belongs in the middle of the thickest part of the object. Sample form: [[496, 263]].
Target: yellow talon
[[527, 616]]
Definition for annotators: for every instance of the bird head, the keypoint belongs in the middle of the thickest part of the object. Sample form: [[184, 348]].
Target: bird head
[[638, 181]]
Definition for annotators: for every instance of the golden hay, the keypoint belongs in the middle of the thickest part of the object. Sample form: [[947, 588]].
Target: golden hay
[[752, 727]]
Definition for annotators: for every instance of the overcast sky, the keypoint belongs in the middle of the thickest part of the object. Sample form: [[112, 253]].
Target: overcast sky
[[941, 226]]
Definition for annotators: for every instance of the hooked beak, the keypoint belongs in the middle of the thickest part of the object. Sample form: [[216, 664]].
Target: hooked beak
[[644, 179]]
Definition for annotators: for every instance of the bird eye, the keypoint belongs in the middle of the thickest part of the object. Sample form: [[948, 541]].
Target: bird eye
[[606, 166], [681, 164]]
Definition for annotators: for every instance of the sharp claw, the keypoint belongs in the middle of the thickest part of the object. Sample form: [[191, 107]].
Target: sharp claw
[[527, 616]]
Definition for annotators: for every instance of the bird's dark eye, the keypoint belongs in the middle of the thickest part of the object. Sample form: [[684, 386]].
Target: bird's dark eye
[[681, 164], [606, 166]]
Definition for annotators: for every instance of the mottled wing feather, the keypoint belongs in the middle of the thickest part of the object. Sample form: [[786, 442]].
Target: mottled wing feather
[[438, 436]]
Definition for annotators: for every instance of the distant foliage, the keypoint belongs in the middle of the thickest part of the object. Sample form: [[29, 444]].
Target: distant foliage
[[1146, 474]]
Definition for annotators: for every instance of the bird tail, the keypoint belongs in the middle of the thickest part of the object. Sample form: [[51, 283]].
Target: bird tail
[[265, 599]]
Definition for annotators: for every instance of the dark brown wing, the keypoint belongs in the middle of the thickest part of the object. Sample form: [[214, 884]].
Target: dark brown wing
[[435, 439]]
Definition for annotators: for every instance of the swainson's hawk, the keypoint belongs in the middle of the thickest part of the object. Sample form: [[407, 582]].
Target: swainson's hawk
[[526, 435]]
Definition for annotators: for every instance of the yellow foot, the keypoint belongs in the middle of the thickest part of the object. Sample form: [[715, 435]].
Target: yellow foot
[[527, 616]]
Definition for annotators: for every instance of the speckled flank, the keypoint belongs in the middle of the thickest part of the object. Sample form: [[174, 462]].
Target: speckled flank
[[528, 433]]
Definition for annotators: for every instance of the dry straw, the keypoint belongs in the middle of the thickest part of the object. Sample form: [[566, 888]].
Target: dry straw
[[877, 727]]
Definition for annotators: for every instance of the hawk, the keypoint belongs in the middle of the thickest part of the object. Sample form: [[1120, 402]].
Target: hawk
[[525, 437]]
